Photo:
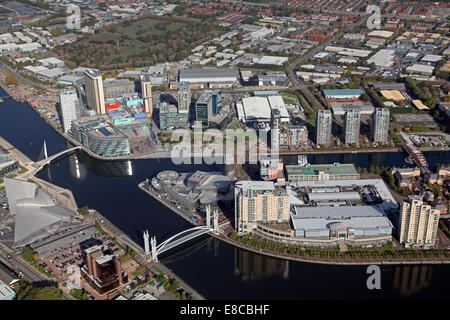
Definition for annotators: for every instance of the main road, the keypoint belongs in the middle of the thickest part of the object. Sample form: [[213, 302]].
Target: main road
[[300, 85]]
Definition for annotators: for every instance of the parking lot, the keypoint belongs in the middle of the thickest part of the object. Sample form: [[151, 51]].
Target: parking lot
[[57, 256]]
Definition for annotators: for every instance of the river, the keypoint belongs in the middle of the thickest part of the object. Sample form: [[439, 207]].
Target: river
[[215, 269]]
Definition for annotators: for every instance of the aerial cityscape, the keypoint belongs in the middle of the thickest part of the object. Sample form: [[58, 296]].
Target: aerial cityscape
[[224, 150]]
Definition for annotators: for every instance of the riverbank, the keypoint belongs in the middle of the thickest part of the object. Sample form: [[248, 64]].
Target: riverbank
[[291, 257], [125, 241], [168, 154]]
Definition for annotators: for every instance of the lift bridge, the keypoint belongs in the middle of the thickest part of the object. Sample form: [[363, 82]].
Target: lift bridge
[[154, 250]]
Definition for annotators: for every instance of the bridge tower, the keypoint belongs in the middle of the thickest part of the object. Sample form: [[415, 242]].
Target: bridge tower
[[146, 242], [216, 221], [154, 254], [208, 215]]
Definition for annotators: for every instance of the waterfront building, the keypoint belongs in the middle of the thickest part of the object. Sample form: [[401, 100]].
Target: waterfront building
[[69, 106], [184, 97], [100, 137], [36, 215], [194, 189], [418, 224], [271, 169], [347, 222], [102, 269], [8, 165], [324, 213], [321, 172], [352, 126], [259, 202], [294, 136], [94, 91], [323, 127], [146, 94], [380, 125]]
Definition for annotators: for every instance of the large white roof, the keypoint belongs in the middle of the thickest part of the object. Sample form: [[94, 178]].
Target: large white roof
[[277, 102], [256, 109]]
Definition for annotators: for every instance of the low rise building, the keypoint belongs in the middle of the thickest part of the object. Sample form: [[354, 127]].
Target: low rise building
[[321, 172]]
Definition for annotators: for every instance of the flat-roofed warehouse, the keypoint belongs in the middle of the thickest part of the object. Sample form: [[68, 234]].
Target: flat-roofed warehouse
[[321, 172], [208, 75], [255, 109], [341, 222]]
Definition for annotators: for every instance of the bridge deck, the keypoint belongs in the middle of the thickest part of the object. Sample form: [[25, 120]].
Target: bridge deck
[[182, 240]]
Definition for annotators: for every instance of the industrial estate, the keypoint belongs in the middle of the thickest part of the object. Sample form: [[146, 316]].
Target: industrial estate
[[291, 80]]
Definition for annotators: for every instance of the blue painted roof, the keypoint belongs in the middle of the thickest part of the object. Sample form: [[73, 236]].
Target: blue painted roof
[[343, 92]]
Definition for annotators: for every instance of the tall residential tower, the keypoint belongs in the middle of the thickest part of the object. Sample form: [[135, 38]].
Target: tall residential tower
[[146, 93], [418, 224], [69, 106], [184, 97], [380, 125], [94, 91], [323, 127], [352, 126]]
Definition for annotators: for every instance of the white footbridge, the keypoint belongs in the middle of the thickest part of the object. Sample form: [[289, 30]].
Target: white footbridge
[[153, 250]]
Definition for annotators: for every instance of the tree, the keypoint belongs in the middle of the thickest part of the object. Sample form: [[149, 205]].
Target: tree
[[10, 80], [78, 294], [83, 211], [27, 254]]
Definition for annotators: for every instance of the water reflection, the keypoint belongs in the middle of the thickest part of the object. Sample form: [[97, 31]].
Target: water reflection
[[250, 266], [80, 163], [412, 279]]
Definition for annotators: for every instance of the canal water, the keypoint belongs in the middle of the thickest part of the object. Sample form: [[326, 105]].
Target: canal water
[[215, 269]]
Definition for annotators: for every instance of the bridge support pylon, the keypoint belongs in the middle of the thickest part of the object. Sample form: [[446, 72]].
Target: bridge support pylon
[[146, 243], [154, 254], [208, 215], [216, 221]]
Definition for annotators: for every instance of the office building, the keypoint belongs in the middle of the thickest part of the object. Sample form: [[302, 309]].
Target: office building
[[418, 224], [321, 172], [115, 88], [380, 125], [208, 105], [94, 91], [8, 165], [70, 107], [259, 202], [170, 118], [146, 93], [102, 269], [100, 137], [184, 97], [352, 126], [323, 127]]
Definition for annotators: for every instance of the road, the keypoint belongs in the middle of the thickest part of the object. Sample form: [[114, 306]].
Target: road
[[298, 84], [24, 80]]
